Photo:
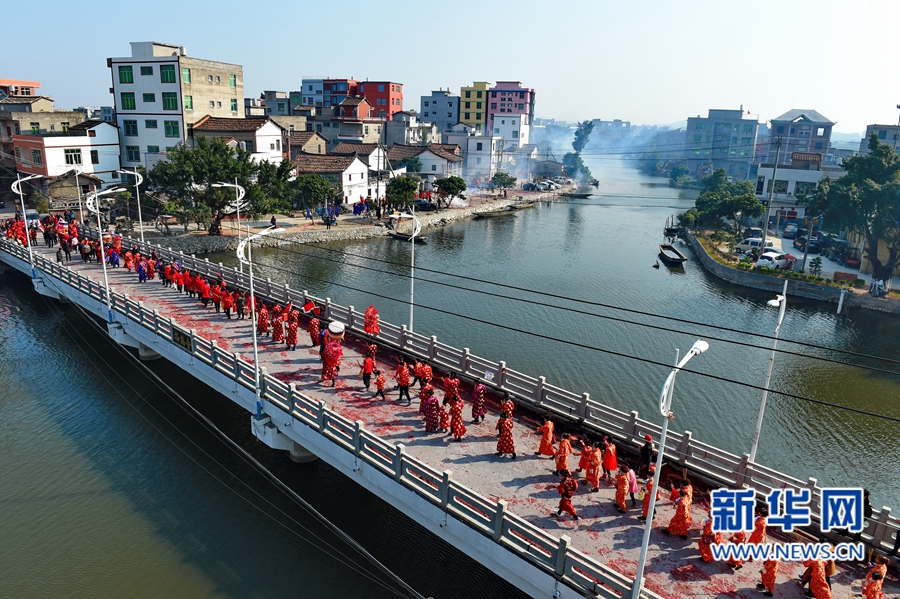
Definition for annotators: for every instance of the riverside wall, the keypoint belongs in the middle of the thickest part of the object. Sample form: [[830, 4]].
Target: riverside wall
[[825, 293]]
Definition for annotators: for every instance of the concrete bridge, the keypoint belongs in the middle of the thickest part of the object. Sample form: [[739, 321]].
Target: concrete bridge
[[498, 511]]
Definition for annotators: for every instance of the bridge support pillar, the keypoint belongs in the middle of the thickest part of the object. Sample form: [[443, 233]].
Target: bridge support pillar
[[145, 354], [302, 455], [266, 431], [118, 334], [47, 291]]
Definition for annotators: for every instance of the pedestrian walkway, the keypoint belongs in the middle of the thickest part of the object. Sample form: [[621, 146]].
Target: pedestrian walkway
[[526, 483]]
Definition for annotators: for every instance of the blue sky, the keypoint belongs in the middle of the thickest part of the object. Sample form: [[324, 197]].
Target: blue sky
[[653, 61]]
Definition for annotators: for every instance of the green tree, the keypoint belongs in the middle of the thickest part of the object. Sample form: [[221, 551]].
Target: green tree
[[721, 199], [402, 190], [40, 202], [449, 188], [582, 135], [412, 163], [866, 200], [575, 167], [312, 191], [201, 215], [503, 180], [679, 171]]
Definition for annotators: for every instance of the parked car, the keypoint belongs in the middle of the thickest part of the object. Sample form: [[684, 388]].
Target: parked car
[[529, 187], [423, 205], [752, 244], [814, 246], [32, 217], [790, 231], [776, 260], [753, 232]]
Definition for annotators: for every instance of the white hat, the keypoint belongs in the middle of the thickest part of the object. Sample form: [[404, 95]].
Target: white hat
[[336, 328]]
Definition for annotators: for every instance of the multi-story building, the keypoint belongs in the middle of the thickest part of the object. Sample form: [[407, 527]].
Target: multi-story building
[[440, 108], [351, 121], [260, 135], [92, 146], [15, 87], [887, 134], [254, 107], [296, 100], [312, 91], [509, 97], [726, 139], [799, 177], [34, 115], [385, 97], [513, 128], [481, 154], [406, 129], [277, 103], [473, 108], [614, 129], [348, 173], [335, 90], [800, 130], [306, 142], [160, 92]]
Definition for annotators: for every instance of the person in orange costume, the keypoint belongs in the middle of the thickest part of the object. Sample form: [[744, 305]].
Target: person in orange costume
[[708, 538], [546, 431], [758, 536], [562, 456], [648, 490], [768, 573], [737, 538], [871, 588], [592, 474], [621, 490], [584, 458], [818, 586], [610, 462], [681, 522], [567, 487]]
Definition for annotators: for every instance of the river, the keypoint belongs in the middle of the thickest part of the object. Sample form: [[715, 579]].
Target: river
[[109, 488]]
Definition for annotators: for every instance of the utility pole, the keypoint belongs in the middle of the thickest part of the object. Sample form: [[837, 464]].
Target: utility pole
[[896, 135], [812, 225], [762, 245]]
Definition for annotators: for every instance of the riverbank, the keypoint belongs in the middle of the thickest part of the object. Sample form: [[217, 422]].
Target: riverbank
[[852, 297]]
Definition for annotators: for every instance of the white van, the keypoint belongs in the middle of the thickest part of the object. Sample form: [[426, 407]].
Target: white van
[[752, 244]]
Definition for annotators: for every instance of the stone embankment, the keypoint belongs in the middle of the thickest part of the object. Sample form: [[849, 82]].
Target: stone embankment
[[852, 297], [350, 228]]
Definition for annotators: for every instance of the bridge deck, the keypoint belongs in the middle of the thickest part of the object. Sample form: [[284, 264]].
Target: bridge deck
[[526, 484]]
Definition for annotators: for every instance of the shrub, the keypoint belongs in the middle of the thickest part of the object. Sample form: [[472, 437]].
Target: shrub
[[859, 283]]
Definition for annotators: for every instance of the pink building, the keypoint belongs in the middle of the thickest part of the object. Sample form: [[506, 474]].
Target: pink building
[[508, 98]]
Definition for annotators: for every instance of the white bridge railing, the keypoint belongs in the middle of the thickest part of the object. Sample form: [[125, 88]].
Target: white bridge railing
[[488, 517]]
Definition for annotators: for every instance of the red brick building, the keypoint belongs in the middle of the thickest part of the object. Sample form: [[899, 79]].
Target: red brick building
[[385, 97]]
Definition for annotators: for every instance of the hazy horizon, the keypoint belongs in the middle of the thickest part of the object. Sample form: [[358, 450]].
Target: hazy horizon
[[652, 63]]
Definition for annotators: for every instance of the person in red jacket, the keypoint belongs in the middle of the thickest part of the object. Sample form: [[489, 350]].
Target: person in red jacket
[[402, 376], [216, 294], [368, 367], [205, 292], [227, 303], [567, 487], [380, 380]]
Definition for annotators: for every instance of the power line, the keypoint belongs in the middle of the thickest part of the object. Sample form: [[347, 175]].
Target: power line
[[596, 304]]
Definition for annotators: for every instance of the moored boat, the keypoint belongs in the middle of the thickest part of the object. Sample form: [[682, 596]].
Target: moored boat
[[670, 255]]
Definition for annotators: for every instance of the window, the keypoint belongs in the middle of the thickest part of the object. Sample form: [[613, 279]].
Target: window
[[35, 128], [696, 151], [232, 80], [130, 128], [493, 105], [218, 79], [746, 141], [381, 87], [780, 129], [153, 149], [73, 156], [425, 115], [172, 128], [185, 75], [478, 161], [425, 103], [434, 167], [189, 102], [167, 73], [882, 134], [36, 158], [150, 124], [818, 145], [468, 116], [522, 95], [520, 106], [515, 134], [449, 115], [95, 157], [133, 153], [496, 130], [234, 106], [127, 100], [748, 128], [65, 127], [804, 187], [478, 95], [698, 138], [170, 100], [281, 107], [734, 140], [494, 94], [126, 74], [248, 145], [209, 78], [149, 97], [219, 104], [272, 147], [477, 105], [478, 146]]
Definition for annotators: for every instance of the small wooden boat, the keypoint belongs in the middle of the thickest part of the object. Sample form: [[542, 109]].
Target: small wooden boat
[[670, 255], [406, 237], [576, 194], [505, 211], [524, 205]]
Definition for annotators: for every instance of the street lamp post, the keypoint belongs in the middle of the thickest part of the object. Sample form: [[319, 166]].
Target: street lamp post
[[17, 187], [93, 205], [249, 261], [138, 179], [779, 302], [665, 404], [239, 194], [416, 229]]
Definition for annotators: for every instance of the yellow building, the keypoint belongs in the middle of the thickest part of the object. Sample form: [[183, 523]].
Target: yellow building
[[473, 105]]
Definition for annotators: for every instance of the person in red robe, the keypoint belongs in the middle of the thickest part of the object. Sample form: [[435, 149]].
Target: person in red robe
[[445, 417], [331, 362], [708, 538], [370, 321], [292, 326], [432, 408], [621, 490], [584, 458], [546, 431], [610, 462], [456, 419], [478, 401], [768, 573], [129, 260], [562, 456], [451, 386], [871, 587], [262, 320], [402, 377], [506, 443], [277, 325], [681, 522], [507, 405], [313, 329], [567, 487]]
